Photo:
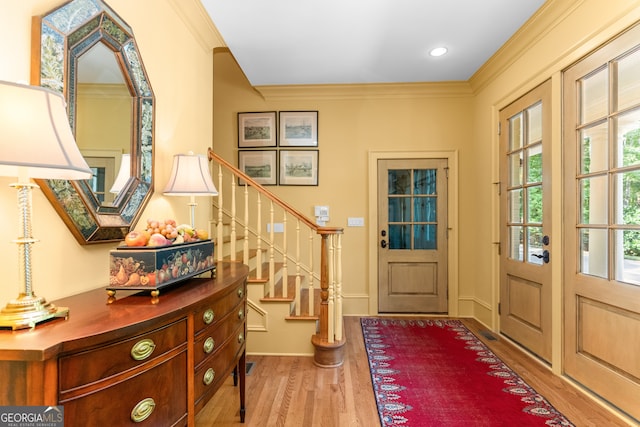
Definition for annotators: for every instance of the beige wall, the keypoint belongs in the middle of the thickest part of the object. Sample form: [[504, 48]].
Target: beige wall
[[354, 121], [176, 47]]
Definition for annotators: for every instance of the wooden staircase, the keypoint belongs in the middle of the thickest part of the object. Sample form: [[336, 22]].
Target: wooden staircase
[[295, 283]]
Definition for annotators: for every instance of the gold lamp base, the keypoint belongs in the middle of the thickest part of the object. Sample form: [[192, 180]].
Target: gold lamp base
[[27, 310]]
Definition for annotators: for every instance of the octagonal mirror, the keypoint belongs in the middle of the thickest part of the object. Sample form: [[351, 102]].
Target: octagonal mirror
[[84, 50]]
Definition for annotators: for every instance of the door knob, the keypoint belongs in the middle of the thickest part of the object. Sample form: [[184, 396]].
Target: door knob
[[383, 243]]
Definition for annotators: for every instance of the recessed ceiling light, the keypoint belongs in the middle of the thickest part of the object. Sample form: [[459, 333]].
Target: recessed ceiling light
[[438, 51]]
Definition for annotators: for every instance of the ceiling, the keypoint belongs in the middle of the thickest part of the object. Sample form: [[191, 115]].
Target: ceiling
[[288, 42]]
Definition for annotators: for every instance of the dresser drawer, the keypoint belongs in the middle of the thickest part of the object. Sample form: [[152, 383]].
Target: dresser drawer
[[158, 397], [212, 338], [93, 365], [212, 372], [212, 312]]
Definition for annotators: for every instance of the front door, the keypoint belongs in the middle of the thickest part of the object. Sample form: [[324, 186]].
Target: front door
[[525, 226], [412, 235]]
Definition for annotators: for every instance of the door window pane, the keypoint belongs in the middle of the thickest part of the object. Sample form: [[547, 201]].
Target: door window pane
[[424, 181], [534, 123], [424, 209], [593, 200], [594, 96], [516, 238], [594, 252], [534, 204], [424, 236], [514, 199], [515, 168], [399, 209], [627, 204], [515, 132], [534, 164], [534, 245], [628, 139], [594, 148], [628, 72], [399, 237], [399, 181], [628, 254]]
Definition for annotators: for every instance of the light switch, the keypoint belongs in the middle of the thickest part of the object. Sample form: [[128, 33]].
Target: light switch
[[355, 222]]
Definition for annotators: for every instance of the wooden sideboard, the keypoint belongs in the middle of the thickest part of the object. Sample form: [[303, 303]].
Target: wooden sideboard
[[133, 361]]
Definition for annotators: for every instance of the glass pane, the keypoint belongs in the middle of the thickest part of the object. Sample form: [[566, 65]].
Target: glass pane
[[424, 209], [534, 164], [515, 132], [628, 76], [534, 122], [594, 99], [399, 181], [594, 149], [399, 237], [628, 256], [515, 206], [534, 204], [628, 139], [424, 181], [594, 258], [424, 236], [534, 242], [515, 169], [627, 205], [593, 200], [399, 209], [515, 243]]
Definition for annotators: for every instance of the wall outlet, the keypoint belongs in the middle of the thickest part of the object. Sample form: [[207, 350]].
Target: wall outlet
[[355, 222]]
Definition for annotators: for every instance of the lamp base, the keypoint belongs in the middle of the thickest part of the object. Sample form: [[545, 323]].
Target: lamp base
[[27, 310]]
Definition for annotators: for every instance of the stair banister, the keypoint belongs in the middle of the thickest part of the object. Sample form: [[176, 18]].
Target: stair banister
[[329, 339]]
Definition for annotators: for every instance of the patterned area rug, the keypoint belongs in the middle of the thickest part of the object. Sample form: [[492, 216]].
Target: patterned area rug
[[434, 372]]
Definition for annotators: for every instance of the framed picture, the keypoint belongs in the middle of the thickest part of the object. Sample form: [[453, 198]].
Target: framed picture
[[298, 167], [298, 128], [257, 130], [259, 165]]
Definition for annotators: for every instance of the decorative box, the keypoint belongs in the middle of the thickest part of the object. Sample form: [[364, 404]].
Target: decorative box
[[152, 268]]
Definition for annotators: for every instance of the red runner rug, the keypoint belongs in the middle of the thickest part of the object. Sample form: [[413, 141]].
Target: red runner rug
[[435, 372]]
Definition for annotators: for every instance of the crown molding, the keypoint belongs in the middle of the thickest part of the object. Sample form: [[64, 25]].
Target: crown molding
[[451, 89], [197, 20]]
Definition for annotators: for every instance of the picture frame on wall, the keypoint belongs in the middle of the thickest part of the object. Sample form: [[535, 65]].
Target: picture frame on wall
[[257, 129], [298, 128], [259, 165], [299, 167]]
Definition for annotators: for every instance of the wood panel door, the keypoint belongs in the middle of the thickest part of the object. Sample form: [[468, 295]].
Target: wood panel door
[[412, 231], [602, 221], [525, 227]]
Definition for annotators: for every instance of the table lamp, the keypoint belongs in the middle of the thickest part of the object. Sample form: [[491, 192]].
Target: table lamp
[[190, 176], [36, 142]]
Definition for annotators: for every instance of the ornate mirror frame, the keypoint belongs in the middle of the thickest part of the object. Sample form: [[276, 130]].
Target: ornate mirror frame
[[60, 37]]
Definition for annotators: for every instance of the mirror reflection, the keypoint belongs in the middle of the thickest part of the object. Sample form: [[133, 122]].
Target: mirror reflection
[[84, 50]]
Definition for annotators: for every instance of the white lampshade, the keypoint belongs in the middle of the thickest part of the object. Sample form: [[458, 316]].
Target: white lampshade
[[190, 176], [35, 136], [123, 174]]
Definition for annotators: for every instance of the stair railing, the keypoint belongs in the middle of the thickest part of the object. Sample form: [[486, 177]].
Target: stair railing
[[319, 262]]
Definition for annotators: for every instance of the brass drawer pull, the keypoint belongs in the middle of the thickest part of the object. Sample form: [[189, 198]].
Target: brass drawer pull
[[209, 343], [143, 410], [209, 375], [208, 316], [241, 338], [240, 293], [241, 314], [143, 349]]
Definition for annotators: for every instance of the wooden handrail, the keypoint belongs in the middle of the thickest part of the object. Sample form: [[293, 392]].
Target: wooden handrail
[[284, 205]]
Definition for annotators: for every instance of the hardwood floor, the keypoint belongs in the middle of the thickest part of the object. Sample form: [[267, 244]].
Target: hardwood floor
[[292, 391]]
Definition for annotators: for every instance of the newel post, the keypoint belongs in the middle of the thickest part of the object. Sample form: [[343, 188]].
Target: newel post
[[329, 352]]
